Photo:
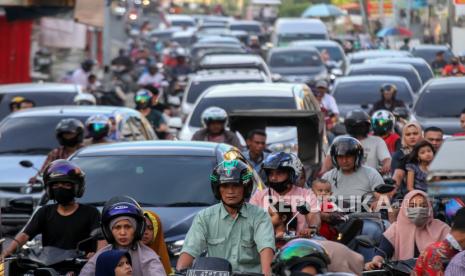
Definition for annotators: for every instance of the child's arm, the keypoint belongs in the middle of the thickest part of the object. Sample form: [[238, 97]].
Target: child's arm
[[410, 180]]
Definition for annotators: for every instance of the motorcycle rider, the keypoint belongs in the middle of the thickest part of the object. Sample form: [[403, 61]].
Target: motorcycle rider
[[376, 153], [181, 68], [66, 222], [70, 135], [143, 100], [123, 62], [455, 68], [256, 152], [282, 173], [85, 99], [232, 229], [151, 77], [215, 120], [301, 257], [349, 176], [123, 226], [254, 45], [439, 63], [98, 128], [388, 99], [383, 123], [80, 76]]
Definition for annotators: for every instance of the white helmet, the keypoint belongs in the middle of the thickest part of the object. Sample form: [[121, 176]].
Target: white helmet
[[85, 99], [214, 114]]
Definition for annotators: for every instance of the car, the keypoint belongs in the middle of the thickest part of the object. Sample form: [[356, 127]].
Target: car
[[161, 35], [30, 135], [297, 64], [203, 80], [255, 96], [361, 56], [440, 103], [199, 49], [43, 94], [219, 40], [180, 21], [184, 38], [170, 178], [223, 20], [363, 91], [236, 61], [428, 52], [422, 67], [287, 30], [251, 27], [334, 49], [402, 70], [210, 25]]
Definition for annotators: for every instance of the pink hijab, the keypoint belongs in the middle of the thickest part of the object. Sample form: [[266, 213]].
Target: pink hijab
[[403, 232]]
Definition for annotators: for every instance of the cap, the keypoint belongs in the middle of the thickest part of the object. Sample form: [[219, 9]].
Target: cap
[[322, 84]]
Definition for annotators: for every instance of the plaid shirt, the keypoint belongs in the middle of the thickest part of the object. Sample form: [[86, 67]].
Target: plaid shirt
[[55, 154]]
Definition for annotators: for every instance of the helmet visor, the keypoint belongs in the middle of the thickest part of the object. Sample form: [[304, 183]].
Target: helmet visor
[[63, 169], [98, 127], [144, 98], [299, 248]]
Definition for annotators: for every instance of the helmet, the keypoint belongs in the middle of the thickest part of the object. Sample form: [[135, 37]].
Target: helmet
[[345, 145], [122, 206], [85, 99], [388, 87], [357, 123], [299, 253], [87, 64], [232, 171], [98, 126], [382, 122], [143, 99], [70, 125], [214, 114], [16, 102], [286, 161], [64, 171]]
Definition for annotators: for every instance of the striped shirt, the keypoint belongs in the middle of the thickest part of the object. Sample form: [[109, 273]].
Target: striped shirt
[[456, 265]]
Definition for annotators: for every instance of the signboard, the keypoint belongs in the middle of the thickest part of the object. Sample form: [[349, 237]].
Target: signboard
[[90, 12], [459, 2]]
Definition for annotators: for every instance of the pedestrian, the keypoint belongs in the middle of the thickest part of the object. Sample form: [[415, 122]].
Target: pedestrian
[[153, 238], [417, 169], [114, 263]]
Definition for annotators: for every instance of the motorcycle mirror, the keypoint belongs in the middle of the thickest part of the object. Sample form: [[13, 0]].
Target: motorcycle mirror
[[384, 188], [303, 209], [97, 234], [365, 241], [401, 112]]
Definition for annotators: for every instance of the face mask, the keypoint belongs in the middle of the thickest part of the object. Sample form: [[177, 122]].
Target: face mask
[[454, 243], [63, 196], [70, 142], [279, 186], [418, 216]]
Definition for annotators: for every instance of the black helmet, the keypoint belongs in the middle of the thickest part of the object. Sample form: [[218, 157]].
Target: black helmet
[[232, 171], [299, 253], [388, 87], [143, 99], [357, 123], [64, 171], [122, 206], [344, 145], [73, 126], [98, 126], [285, 161], [87, 64]]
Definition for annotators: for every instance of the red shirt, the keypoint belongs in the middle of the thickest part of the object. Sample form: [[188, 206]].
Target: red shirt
[[459, 134], [391, 141], [434, 259], [327, 230], [451, 70]]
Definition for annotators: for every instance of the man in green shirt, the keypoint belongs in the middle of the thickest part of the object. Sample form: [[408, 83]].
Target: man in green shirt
[[232, 229]]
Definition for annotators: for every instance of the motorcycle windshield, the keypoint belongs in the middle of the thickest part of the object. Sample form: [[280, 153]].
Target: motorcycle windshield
[[50, 255]]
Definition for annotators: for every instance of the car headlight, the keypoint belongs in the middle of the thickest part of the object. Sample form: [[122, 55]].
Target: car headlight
[[176, 247], [289, 147]]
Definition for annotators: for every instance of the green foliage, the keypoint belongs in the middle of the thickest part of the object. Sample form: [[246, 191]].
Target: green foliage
[[290, 8]]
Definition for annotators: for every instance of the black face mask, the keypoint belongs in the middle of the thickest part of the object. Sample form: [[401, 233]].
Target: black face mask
[[63, 196], [71, 142], [455, 62], [279, 187]]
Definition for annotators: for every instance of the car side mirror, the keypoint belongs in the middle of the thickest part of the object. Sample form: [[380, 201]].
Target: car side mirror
[[22, 205], [365, 241], [276, 77]]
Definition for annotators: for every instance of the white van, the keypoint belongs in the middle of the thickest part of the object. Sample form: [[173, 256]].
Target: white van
[[287, 30]]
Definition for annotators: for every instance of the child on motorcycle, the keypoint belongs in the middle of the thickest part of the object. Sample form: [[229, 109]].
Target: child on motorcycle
[[281, 215], [322, 189]]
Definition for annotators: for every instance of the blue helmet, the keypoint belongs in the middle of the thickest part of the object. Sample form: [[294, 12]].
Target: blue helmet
[[284, 161]]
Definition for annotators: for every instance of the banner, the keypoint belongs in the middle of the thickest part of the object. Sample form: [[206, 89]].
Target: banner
[[90, 12], [62, 33]]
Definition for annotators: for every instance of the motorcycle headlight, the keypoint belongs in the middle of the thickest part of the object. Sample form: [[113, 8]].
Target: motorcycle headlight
[[288, 146], [176, 247]]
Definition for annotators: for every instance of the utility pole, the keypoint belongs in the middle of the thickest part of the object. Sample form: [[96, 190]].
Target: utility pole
[[107, 33]]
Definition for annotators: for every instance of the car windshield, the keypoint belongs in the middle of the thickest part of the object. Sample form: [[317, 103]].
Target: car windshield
[[154, 180], [295, 59], [241, 103], [248, 28], [334, 52], [430, 54], [39, 98], [365, 92], [451, 101], [285, 39], [181, 23], [411, 75], [16, 134], [197, 88]]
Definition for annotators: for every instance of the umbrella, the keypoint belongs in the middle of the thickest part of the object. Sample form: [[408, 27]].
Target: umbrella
[[322, 10], [394, 31]]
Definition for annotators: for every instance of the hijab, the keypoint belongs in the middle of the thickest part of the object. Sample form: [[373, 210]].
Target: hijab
[[404, 234], [108, 260], [406, 149], [158, 243]]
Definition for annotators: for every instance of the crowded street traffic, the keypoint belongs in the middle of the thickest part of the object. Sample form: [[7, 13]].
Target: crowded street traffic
[[221, 138]]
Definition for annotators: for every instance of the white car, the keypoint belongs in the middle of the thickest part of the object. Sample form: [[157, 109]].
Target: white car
[[255, 96]]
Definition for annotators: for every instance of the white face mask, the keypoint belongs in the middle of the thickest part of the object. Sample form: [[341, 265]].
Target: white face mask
[[454, 243]]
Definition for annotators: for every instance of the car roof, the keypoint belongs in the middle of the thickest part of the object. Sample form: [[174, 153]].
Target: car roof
[[284, 90], [218, 39], [367, 78], [388, 66], [39, 87], [375, 53], [437, 83], [162, 148], [291, 49], [411, 60], [71, 110], [227, 74], [430, 47], [316, 42], [182, 17], [245, 22], [299, 25], [231, 59], [215, 45]]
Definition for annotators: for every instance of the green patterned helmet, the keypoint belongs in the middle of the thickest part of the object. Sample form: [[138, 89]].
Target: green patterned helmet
[[232, 171]]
